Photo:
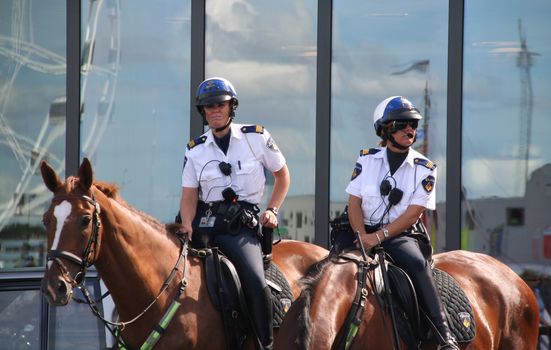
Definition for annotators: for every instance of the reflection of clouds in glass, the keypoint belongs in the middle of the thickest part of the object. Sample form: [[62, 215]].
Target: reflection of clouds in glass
[[257, 79], [268, 51], [231, 15], [388, 15], [238, 30], [482, 178]]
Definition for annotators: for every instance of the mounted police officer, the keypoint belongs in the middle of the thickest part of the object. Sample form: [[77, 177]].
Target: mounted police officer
[[390, 188], [222, 184]]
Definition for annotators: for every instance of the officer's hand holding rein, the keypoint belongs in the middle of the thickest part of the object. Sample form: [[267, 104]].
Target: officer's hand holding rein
[[269, 218]]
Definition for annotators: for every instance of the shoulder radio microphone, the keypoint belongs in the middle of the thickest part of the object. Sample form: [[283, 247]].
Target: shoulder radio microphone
[[225, 168], [394, 194]]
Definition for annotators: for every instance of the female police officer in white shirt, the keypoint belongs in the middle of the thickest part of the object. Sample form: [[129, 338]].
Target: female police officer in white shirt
[[390, 188], [223, 167]]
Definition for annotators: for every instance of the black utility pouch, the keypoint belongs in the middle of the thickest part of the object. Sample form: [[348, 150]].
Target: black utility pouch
[[266, 240], [342, 236]]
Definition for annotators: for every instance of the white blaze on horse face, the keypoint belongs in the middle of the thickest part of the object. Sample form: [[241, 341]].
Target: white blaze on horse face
[[61, 212]]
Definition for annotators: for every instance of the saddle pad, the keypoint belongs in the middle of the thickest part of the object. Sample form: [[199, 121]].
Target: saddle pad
[[282, 297], [281, 291], [459, 311]]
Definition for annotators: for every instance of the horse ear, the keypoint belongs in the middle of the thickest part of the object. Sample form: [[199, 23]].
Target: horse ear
[[51, 180], [85, 174]]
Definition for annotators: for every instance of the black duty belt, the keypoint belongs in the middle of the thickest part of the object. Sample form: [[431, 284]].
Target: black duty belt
[[371, 229], [221, 207]]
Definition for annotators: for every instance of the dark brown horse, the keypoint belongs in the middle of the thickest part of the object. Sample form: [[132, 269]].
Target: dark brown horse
[[88, 223], [505, 309]]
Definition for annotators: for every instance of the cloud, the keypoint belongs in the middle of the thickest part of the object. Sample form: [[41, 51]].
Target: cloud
[[232, 16]]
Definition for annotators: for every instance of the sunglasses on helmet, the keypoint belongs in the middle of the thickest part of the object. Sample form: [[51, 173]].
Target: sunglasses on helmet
[[402, 124]]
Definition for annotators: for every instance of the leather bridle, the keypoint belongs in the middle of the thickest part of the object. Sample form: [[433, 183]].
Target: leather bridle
[[86, 260]]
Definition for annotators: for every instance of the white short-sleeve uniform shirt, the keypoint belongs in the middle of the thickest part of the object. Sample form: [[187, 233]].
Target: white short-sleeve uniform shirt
[[416, 177], [251, 149]]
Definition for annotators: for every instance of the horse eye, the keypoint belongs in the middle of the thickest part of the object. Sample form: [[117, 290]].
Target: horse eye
[[45, 221], [86, 220]]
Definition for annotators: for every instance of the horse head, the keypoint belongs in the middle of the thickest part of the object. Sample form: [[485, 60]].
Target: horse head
[[73, 229]]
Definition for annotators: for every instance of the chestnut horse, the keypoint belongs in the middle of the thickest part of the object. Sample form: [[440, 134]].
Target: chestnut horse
[[505, 308], [88, 223]]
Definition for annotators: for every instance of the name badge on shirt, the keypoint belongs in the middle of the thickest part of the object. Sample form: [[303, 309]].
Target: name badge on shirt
[[207, 221]]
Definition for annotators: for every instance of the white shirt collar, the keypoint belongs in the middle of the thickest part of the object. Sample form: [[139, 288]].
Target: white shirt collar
[[235, 132]]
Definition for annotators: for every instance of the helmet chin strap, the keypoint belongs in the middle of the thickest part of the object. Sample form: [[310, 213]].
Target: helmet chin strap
[[225, 126]]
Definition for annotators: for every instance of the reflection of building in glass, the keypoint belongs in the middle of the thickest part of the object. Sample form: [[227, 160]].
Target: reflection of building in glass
[[297, 216], [513, 229], [22, 253]]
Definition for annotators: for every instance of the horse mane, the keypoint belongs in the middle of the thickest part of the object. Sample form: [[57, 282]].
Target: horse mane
[[309, 282], [108, 189], [112, 191]]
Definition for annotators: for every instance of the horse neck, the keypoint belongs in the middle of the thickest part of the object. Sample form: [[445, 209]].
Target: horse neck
[[136, 253], [330, 304]]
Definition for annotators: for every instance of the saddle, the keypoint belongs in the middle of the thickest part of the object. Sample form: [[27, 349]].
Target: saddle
[[227, 295]]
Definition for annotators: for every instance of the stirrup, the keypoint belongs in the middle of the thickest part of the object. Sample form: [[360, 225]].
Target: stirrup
[[450, 345]]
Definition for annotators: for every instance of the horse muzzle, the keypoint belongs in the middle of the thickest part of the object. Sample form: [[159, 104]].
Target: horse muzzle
[[57, 290]]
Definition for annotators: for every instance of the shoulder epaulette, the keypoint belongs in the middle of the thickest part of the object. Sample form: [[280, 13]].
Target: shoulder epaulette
[[259, 129], [425, 162], [368, 151], [196, 142]]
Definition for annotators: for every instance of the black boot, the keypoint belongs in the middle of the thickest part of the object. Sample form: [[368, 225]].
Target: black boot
[[437, 317], [262, 318], [440, 327]]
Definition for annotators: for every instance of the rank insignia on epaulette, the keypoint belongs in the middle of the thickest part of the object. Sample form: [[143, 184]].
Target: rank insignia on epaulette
[[357, 171], [428, 183], [259, 129], [196, 142], [425, 162], [367, 151]]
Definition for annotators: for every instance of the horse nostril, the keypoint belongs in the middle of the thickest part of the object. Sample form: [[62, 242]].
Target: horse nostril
[[62, 288]]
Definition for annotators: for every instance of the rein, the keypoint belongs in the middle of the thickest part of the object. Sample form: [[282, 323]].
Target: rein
[[156, 334], [354, 317]]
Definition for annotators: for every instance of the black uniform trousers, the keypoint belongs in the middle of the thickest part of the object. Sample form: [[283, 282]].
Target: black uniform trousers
[[245, 252], [412, 254]]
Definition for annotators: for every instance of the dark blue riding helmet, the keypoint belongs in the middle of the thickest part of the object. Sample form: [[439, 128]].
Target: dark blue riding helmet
[[215, 90], [394, 108]]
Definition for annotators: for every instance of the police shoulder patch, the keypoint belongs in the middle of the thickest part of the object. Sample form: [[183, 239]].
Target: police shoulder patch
[[196, 142], [425, 162], [368, 151], [270, 143], [259, 129], [357, 171], [428, 183]]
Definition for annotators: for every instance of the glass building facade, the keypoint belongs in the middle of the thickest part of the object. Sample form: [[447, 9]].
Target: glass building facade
[[114, 81]]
